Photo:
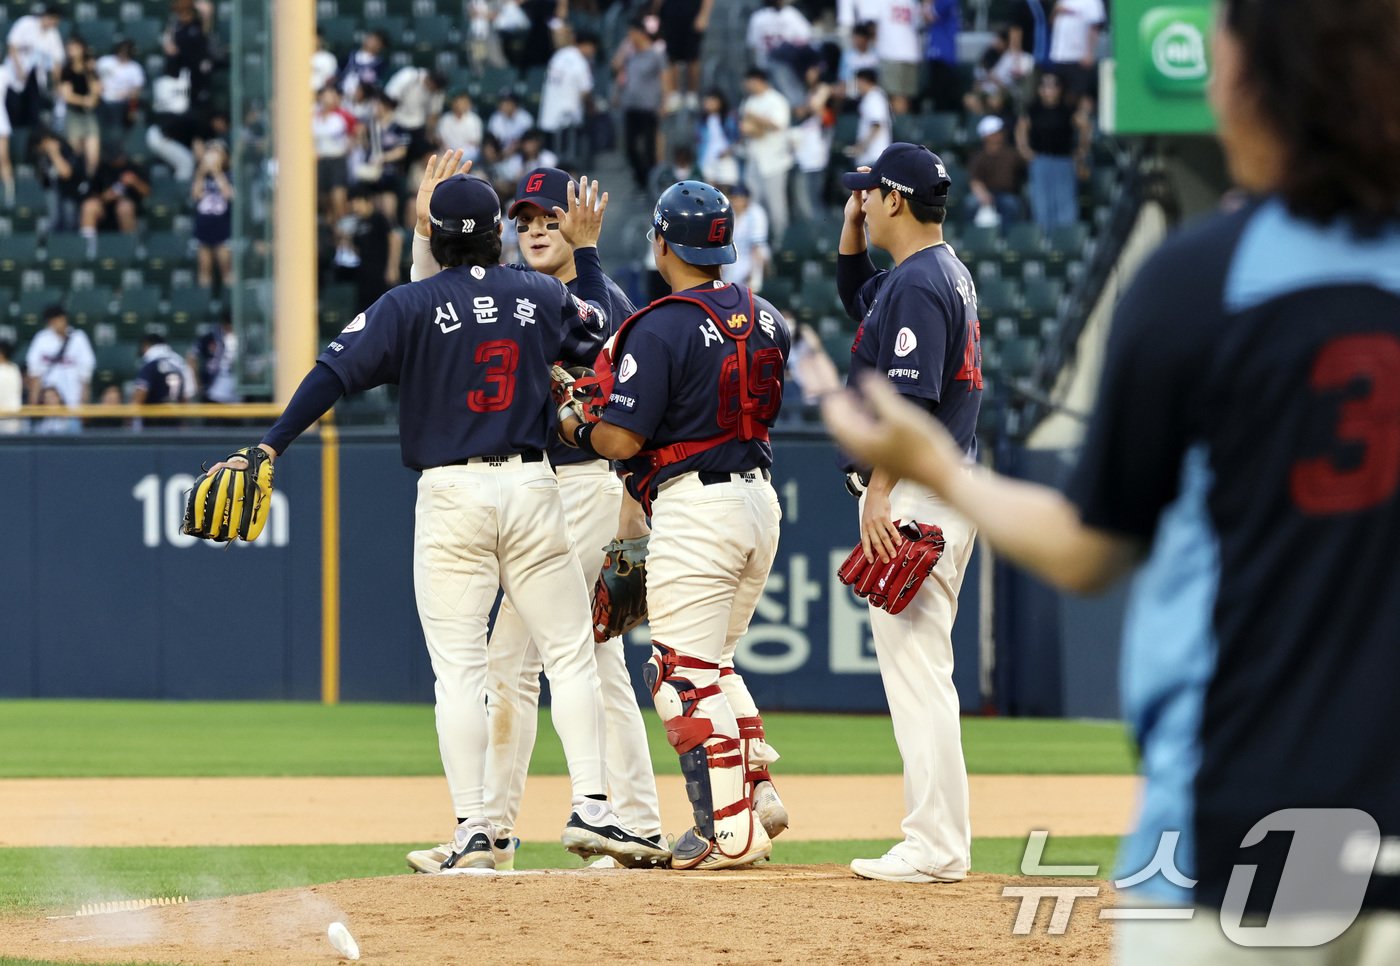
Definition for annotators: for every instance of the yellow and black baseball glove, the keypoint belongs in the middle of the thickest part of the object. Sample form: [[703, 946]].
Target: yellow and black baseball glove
[[231, 503]]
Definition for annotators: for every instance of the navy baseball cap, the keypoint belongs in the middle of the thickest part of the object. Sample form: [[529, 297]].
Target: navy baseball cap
[[463, 205], [911, 169], [697, 221], [543, 187]]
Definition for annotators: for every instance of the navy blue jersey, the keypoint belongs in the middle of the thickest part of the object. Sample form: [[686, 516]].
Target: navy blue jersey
[[677, 381], [919, 329], [1248, 432], [584, 352], [162, 375], [470, 349]]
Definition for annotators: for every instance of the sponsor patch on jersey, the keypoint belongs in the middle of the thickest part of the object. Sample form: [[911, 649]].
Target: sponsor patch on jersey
[[478, 272], [903, 374], [628, 369], [905, 342], [621, 400], [356, 324], [336, 347]]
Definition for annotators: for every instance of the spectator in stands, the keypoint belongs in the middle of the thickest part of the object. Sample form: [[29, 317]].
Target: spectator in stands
[[379, 246], [369, 65], [1074, 45], [332, 134], [509, 122], [680, 168], [716, 138], [527, 31], [1030, 30], [118, 189], [162, 377], [994, 176], [483, 45], [1052, 137], [944, 20], [816, 120], [419, 96], [564, 100], [54, 425], [1002, 76], [186, 46], [897, 43], [7, 170], [640, 65], [80, 90], [682, 24], [324, 65], [461, 129], [990, 100], [60, 358], [64, 177], [35, 56], [531, 154], [764, 119], [173, 128], [779, 40], [751, 251], [382, 158], [212, 193], [873, 131], [11, 389], [360, 104], [858, 55], [123, 82], [213, 357]]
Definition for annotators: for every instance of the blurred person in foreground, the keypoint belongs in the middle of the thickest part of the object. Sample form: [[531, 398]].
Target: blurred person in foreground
[[1249, 412]]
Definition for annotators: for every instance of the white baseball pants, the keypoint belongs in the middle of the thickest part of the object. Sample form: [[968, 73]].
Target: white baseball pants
[[479, 527], [711, 550], [592, 496], [915, 651]]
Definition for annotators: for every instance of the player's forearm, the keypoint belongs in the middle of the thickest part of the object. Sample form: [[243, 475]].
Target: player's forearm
[[631, 519], [317, 393], [1038, 528], [424, 264], [852, 271]]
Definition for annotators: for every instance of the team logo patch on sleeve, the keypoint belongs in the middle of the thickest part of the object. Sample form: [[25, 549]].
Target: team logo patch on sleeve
[[356, 324], [628, 369], [905, 342]]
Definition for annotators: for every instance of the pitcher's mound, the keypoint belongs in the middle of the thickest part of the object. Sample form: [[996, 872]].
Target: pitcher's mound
[[802, 915]]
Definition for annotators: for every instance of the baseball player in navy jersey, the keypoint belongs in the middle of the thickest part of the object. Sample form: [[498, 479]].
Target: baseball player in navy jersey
[[1243, 464], [918, 328], [470, 350], [697, 382], [592, 495]]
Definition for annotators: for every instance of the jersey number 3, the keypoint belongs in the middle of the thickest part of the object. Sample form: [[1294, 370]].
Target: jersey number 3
[[501, 358], [1368, 423]]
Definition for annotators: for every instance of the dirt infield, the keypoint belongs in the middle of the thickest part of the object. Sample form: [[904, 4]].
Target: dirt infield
[[772, 915], [294, 811]]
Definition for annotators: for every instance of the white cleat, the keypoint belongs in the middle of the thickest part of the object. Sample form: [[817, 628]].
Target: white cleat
[[769, 809], [594, 829], [470, 848], [895, 868], [694, 852]]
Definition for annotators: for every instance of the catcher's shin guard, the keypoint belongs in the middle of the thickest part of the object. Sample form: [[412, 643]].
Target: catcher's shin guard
[[713, 764]]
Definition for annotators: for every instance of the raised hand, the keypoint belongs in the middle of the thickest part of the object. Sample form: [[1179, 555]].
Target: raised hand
[[435, 172], [583, 222]]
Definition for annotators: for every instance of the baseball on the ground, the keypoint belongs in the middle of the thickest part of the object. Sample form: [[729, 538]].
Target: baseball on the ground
[[343, 942]]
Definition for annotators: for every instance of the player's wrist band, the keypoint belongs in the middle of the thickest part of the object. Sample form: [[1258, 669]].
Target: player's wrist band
[[583, 439]]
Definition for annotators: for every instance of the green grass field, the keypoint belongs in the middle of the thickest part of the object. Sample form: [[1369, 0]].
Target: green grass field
[[47, 739], [53, 739]]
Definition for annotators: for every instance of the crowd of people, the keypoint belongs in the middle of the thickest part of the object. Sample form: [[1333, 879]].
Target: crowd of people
[[819, 87]]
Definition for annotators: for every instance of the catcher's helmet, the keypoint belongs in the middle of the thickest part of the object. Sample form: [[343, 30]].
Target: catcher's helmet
[[697, 222]]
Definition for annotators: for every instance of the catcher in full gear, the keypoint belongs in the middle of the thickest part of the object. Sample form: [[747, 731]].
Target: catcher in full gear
[[691, 385]]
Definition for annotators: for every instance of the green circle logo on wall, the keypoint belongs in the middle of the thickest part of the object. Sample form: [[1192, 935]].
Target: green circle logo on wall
[[1175, 41]]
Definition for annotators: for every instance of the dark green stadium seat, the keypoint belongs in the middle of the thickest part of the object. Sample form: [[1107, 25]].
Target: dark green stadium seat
[[1024, 240], [838, 346], [31, 304], [89, 306], [978, 243], [434, 31], [1018, 357], [63, 253], [339, 33], [1041, 297], [145, 33], [166, 251], [998, 296], [138, 308], [940, 132], [188, 307], [1068, 241], [31, 201], [844, 134], [779, 290], [116, 252]]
